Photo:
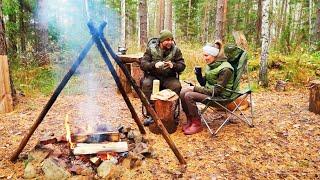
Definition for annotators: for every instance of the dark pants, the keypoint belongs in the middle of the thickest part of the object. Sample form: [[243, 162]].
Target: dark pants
[[188, 101], [172, 83]]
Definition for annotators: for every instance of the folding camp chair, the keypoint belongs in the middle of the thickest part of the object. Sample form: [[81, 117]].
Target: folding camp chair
[[238, 58]]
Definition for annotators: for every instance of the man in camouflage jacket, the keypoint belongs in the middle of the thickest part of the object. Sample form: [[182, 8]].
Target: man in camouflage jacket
[[163, 61]]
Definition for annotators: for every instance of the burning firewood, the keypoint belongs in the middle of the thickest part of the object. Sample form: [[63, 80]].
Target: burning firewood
[[96, 137]]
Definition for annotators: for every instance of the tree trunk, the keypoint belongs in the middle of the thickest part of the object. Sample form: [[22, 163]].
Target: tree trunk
[[263, 73], [12, 44], [310, 21], [160, 17], [189, 17], [259, 23], [42, 34], [221, 19], [22, 27], [6, 101], [123, 24], [205, 23], [168, 15], [318, 25], [143, 14]]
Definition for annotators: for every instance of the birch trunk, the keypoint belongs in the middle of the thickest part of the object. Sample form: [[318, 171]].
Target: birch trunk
[[123, 24], [263, 73]]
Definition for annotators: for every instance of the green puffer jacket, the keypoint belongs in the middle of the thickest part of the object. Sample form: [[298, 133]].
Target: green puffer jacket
[[211, 75]]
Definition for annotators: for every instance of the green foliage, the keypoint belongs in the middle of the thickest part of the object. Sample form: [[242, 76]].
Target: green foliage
[[33, 80]]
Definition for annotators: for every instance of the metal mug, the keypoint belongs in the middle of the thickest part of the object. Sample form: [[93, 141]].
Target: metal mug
[[197, 70]]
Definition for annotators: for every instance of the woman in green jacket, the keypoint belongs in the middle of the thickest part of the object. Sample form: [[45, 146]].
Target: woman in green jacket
[[218, 71]]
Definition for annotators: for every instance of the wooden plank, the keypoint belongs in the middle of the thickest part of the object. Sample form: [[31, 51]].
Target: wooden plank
[[6, 102], [6, 74], [83, 148], [2, 87]]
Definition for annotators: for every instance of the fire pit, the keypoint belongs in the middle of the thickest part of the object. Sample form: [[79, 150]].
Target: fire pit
[[94, 155]]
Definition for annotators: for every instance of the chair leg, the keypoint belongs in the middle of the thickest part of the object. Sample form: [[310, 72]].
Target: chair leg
[[251, 106], [206, 123]]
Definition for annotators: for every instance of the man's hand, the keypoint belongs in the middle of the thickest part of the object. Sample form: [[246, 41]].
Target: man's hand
[[159, 64], [168, 64]]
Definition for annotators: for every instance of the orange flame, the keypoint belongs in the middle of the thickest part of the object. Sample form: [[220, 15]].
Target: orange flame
[[68, 135]]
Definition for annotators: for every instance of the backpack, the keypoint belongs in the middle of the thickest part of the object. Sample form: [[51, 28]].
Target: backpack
[[153, 42]]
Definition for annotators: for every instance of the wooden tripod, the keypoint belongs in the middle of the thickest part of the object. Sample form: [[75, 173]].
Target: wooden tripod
[[98, 38]]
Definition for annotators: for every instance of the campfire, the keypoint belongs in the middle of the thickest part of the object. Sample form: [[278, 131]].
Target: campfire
[[94, 154]]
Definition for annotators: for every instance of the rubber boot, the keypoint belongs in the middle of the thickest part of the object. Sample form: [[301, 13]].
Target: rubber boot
[[188, 124], [194, 128]]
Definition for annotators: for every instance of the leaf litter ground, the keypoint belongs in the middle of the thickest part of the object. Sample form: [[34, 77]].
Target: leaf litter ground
[[285, 142]]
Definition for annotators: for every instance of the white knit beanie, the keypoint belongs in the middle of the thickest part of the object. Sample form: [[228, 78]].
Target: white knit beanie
[[213, 51]]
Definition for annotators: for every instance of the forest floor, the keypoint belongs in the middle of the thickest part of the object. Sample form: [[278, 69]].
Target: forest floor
[[284, 143]]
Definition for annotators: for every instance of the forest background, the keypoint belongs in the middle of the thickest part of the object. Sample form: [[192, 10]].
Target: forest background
[[35, 48]]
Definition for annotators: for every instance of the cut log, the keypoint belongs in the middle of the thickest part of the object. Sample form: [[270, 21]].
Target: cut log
[[314, 100], [165, 110], [123, 79], [83, 148], [96, 137]]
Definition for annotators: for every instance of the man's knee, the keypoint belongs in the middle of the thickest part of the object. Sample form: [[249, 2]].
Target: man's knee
[[188, 96], [175, 86]]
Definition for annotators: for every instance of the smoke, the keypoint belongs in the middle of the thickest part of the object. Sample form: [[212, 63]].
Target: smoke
[[66, 21]]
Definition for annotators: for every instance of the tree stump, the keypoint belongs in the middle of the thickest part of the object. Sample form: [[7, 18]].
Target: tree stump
[[165, 110], [240, 39], [314, 100]]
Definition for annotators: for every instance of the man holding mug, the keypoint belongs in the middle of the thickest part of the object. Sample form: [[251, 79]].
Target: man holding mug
[[162, 61]]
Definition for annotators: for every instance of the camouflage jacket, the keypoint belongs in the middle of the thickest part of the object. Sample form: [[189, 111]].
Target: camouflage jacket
[[155, 54]]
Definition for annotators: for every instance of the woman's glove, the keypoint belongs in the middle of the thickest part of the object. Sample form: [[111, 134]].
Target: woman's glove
[[159, 64]]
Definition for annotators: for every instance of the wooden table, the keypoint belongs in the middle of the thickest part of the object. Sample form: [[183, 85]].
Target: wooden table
[[132, 63]]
